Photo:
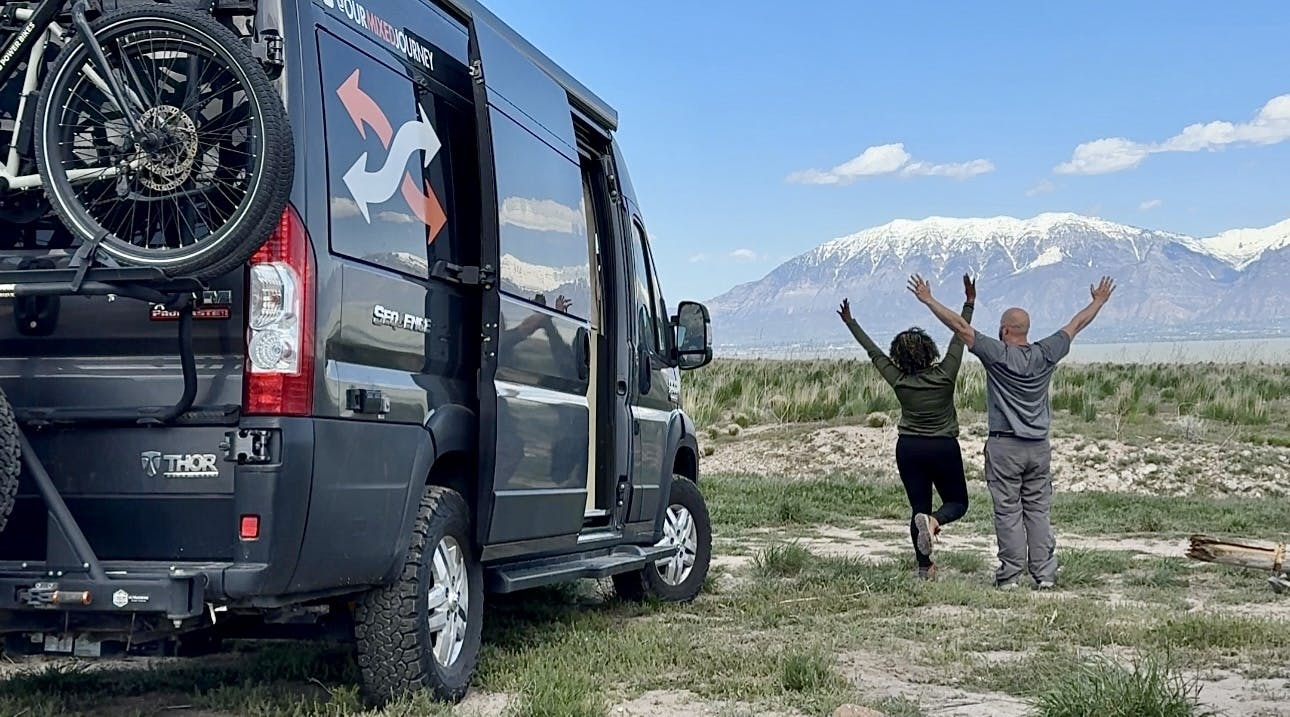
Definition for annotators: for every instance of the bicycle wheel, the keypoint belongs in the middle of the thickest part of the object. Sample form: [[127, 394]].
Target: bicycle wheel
[[10, 460], [203, 181]]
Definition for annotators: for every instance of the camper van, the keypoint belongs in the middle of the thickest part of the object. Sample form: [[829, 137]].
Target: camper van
[[446, 369]]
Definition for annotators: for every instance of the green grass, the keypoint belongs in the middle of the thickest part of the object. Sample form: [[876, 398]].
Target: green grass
[[1149, 688], [1091, 568], [746, 502], [780, 560], [773, 634], [747, 392]]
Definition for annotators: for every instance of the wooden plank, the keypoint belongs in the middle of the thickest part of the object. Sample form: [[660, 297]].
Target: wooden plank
[[1254, 554]]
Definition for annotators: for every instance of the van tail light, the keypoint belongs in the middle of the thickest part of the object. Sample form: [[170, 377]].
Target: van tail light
[[280, 323]]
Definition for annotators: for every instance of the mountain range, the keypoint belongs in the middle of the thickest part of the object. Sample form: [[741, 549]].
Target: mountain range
[[1169, 286]]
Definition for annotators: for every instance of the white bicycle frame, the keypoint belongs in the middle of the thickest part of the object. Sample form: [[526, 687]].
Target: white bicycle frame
[[31, 82]]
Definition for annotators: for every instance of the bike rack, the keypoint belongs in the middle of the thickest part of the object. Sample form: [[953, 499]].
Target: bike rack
[[72, 578]]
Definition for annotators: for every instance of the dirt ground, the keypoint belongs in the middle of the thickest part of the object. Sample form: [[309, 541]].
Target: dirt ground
[[1164, 466]]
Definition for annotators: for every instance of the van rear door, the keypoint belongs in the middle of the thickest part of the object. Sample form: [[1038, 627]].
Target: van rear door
[[139, 492]]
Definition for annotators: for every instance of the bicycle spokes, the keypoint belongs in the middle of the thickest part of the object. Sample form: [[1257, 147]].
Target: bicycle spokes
[[181, 169]]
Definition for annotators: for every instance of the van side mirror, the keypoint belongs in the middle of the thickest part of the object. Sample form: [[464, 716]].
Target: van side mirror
[[693, 328]]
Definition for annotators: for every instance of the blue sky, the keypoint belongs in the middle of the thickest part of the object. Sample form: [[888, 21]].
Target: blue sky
[[733, 114]]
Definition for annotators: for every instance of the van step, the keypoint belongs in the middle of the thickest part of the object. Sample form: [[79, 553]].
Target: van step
[[601, 564]]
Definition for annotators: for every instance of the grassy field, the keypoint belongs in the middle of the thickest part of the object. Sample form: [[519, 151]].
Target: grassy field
[[746, 392], [795, 623], [812, 602]]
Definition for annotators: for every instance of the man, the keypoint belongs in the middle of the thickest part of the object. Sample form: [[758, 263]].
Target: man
[[1017, 452]]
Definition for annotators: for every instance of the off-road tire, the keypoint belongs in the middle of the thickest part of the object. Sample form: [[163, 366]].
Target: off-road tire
[[260, 210], [391, 623], [10, 460], [648, 583]]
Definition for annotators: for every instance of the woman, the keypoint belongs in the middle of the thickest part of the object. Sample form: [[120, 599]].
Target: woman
[[927, 449]]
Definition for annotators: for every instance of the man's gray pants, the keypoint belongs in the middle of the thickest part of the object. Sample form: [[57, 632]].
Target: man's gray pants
[[1019, 475]]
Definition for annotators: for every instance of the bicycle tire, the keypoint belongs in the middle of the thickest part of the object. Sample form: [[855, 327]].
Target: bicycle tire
[[269, 185], [10, 460]]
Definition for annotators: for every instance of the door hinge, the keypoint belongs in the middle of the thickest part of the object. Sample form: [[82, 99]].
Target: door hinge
[[464, 275], [247, 446], [267, 48]]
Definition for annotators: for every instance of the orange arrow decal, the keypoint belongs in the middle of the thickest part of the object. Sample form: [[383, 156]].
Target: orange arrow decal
[[425, 206], [364, 112]]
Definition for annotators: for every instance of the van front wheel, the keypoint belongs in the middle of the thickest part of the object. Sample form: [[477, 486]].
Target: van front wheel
[[680, 576], [422, 633]]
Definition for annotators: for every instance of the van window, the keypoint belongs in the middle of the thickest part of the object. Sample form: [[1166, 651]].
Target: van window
[[400, 212], [646, 309], [662, 324], [542, 221]]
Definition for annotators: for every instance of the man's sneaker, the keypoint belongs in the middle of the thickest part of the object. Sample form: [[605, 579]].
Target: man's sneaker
[[1046, 585], [927, 572], [1007, 584], [927, 529]]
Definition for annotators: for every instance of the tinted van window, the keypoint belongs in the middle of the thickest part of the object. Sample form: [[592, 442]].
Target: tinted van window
[[392, 145], [542, 221]]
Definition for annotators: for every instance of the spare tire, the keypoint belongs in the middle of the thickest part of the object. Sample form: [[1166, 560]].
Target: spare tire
[[10, 460]]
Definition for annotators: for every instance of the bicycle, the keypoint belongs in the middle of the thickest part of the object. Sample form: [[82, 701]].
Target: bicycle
[[159, 140]]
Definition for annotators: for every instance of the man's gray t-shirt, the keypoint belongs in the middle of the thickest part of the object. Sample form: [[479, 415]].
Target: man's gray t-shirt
[[1016, 383]]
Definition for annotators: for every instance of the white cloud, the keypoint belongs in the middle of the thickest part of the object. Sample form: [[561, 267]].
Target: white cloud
[[344, 208], [397, 218], [1102, 156], [885, 159], [1271, 125], [1151, 204], [1045, 186], [959, 170], [698, 258], [542, 215], [744, 255]]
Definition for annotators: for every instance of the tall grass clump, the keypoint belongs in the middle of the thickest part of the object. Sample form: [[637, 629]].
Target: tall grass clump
[[1149, 688]]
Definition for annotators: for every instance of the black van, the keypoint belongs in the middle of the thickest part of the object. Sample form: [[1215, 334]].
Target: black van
[[449, 371]]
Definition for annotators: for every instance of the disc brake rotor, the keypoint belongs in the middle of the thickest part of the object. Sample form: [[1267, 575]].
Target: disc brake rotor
[[170, 166]]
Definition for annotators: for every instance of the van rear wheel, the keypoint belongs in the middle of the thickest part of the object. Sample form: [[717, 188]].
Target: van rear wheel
[[680, 576], [422, 633], [10, 460]]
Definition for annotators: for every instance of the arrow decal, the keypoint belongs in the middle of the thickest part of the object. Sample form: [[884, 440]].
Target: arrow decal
[[377, 187]]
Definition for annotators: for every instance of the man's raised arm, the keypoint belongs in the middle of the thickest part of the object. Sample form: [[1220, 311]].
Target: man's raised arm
[[1100, 293], [956, 323]]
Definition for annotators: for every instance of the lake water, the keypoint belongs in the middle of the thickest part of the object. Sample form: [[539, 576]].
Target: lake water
[[1272, 351]]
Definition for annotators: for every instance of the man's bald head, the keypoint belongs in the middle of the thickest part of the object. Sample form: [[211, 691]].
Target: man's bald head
[[1014, 326]]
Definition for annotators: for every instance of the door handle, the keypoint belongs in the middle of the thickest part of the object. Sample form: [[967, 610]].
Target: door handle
[[582, 353], [645, 370]]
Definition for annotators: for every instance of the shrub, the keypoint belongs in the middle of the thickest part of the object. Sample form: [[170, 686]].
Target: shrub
[[1150, 688]]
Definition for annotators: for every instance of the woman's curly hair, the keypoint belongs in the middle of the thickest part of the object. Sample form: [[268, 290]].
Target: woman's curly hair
[[913, 351]]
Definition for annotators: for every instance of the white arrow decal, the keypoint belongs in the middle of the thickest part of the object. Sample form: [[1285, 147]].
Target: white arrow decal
[[376, 187]]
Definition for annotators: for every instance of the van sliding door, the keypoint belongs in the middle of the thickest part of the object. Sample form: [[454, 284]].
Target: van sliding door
[[542, 366]]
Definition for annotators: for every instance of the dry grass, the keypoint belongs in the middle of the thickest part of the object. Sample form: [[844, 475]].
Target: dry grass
[[761, 391]]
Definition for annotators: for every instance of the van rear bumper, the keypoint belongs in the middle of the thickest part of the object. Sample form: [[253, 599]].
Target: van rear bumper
[[64, 571], [177, 594]]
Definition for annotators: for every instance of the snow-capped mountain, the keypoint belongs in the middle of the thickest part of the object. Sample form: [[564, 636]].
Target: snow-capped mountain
[[1242, 247], [1170, 285], [522, 277], [546, 284]]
